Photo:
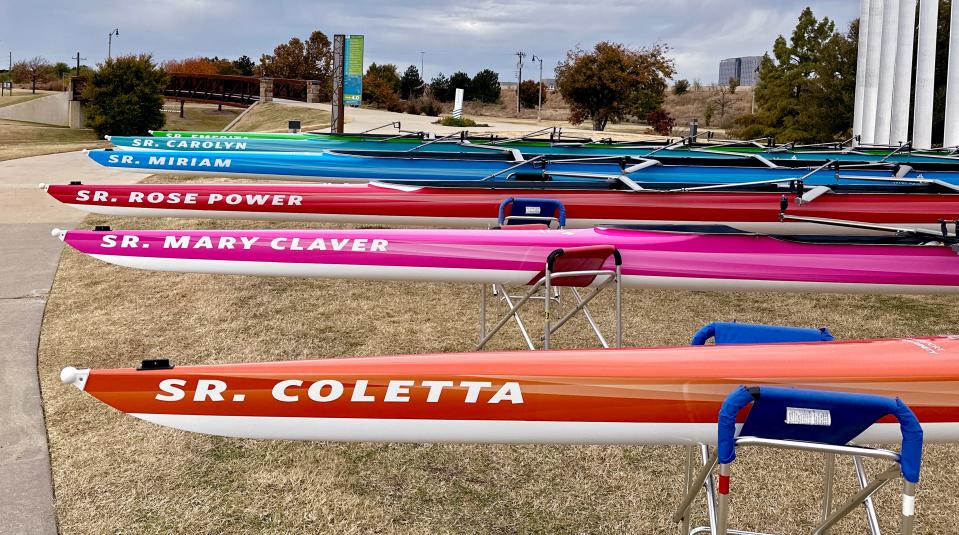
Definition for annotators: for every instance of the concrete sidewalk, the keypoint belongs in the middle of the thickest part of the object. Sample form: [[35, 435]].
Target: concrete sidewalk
[[28, 262]]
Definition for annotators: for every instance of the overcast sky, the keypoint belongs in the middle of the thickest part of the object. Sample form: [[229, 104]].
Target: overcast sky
[[455, 34]]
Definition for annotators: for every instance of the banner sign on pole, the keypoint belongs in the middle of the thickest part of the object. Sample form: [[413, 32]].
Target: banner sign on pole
[[353, 80], [458, 104]]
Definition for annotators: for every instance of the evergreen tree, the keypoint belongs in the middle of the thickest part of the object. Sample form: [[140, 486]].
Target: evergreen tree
[[411, 85], [806, 89], [461, 80], [440, 88], [125, 97], [485, 87]]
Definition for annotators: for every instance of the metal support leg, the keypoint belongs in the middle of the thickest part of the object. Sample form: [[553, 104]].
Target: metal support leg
[[547, 300], [690, 455], [880, 481], [619, 306], [582, 306], [872, 520], [829, 475], [513, 308], [482, 320], [908, 521], [722, 507], [589, 318], [703, 479]]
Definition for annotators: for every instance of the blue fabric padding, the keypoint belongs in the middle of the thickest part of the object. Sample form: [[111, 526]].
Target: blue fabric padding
[[849, 414], [524, 206], [749, 333]]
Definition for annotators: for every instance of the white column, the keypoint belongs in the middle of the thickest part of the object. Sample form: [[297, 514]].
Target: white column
[[887, 70], [950, 136], [925, 74], [871, 89], [861, 51], [902, 84]]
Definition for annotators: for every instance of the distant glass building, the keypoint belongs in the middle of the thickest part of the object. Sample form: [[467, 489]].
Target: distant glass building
[[744, 69]]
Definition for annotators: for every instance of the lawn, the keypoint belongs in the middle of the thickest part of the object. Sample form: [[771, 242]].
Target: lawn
[[202, 117], [20, 139], [21, 95], [274, 117], [114, 473]]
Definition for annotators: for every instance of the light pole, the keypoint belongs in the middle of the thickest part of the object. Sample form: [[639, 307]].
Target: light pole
[[539, 108], [422, 72], [116, 31], [519, 81]]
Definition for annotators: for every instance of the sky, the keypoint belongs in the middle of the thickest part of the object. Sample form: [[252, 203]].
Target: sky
[[454, 34]]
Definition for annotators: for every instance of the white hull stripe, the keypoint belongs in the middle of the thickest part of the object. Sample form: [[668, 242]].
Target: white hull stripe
[[771, 227], [462, 275], [483, 431]]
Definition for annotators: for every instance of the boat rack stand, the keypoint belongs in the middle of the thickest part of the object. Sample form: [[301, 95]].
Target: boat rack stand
[[805, 420], [572, 268]]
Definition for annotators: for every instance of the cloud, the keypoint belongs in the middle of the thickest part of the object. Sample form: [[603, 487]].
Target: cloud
[[455, 35]]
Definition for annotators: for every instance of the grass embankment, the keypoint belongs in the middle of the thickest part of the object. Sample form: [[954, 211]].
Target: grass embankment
[[201, 117], [275, 117], [20, 139], [20, 96], [114, 473]]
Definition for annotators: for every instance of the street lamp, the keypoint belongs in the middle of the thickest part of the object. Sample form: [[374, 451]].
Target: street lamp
[[116, 31], [539, 109]]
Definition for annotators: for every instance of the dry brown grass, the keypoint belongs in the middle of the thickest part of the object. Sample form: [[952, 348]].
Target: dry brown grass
[[114, 473], [20, 139], [274, 117]]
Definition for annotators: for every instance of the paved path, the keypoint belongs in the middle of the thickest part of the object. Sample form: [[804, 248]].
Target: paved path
[[29, 261]]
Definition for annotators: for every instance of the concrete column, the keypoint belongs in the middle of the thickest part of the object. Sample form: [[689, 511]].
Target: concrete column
[[312, 91], [887, 71], [902, 84], [951, 133], [925, 74], [870, 92], [861, 67], [266, 89]]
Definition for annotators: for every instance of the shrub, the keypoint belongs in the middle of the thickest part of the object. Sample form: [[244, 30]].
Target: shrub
[[681, 87], [661, 122], [462, 122], [125, 96], [529, 93]]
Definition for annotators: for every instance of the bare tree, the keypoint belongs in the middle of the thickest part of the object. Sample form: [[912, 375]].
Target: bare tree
[[35, 70]]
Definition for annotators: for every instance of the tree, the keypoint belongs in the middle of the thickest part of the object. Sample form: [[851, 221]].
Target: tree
[[125, 96], [302, 60], [244, 65], [485, 87], [60, 69], [681, 87], [806, 89], [529, 93], [461, 80], [386, 72], [733, 84], [380, 86], [33, 71], [661, 122], [411, 85], [708, 112], [440, 88], [612, 81], [191, 66]]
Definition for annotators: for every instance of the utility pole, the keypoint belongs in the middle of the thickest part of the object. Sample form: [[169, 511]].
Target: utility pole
[[116, 32], [422, 71], [519, 81], [78, 58], [539, 108]]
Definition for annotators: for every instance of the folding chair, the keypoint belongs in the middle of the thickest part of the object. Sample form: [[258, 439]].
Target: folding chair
[[810, 420], [525, 211], [574, 267]]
